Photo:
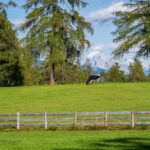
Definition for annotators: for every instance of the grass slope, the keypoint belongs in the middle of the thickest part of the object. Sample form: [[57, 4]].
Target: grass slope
[[103, 140], [62, 98]]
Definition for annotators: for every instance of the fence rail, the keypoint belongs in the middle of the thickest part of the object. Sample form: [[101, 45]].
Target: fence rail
[[45, 120]]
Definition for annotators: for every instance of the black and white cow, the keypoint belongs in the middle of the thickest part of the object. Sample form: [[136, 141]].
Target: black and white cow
[[93, 78]]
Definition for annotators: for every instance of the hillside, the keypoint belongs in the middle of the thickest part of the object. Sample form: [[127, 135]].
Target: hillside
[[62, 98]]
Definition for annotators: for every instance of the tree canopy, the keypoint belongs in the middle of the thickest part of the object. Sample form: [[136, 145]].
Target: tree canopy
[[136, 71], [115, 74], [133, 28], [9, 59], [56, 30]]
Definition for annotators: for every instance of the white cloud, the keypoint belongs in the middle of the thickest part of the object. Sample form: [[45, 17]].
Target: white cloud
[[17, 23], [97, 47], [105, 14], [94, 50], [100, 58], [92, 54]]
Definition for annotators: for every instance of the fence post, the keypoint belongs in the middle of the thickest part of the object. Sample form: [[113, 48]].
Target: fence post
[[75, 119], [18, 120], [45, 120], [82, 124], [132, 119], [105, 119]]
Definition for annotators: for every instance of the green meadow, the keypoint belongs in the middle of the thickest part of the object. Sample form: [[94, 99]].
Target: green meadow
[[70, 98], [88, 140], [78, 97]]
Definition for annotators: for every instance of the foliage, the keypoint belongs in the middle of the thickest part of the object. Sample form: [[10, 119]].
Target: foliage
[[10, 73], [66, 74], [3, 5], [133, 28], [75, 73], [148, 76], [136, 71], [56, 31], [114, 74], [30, 71]]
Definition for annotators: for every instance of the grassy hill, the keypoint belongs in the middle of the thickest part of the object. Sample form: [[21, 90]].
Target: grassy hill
[[62, 98]]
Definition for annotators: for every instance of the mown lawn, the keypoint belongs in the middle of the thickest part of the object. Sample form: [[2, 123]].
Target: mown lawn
[[102, 140], [62, 98]]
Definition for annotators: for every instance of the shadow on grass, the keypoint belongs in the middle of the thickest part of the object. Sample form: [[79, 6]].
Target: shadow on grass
[[115, 144]]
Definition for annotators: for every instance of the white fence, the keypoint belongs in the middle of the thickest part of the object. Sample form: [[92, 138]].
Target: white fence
[[46, 120]]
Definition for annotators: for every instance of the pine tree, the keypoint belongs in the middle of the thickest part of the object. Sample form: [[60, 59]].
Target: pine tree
[[56, 31], [133, 28], [136, 71], [9, 60], [115, 74]]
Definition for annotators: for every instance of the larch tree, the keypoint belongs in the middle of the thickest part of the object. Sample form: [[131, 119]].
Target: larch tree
[[133, 28], [56, 30]]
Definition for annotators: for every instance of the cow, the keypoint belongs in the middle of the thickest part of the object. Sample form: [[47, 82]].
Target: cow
[[92, 78]]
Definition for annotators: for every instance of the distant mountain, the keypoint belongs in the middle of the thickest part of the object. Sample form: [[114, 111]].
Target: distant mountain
[[97, 70], [100, 64]]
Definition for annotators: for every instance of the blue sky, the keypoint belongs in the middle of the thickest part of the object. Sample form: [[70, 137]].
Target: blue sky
[[96, 12]]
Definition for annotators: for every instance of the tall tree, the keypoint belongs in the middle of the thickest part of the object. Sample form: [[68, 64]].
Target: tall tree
[[9, 59], [133, 28], [136, 71], [56, 30], [115, 74]]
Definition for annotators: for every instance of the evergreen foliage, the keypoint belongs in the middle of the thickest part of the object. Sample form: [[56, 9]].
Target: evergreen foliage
[[3, 5], [133, 28], [32, 75], [56, 31], [114, 74], [136, 71], [9, 59]]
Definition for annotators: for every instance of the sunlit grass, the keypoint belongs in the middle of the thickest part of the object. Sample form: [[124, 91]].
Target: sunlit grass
[[62, 98], [103, 140]]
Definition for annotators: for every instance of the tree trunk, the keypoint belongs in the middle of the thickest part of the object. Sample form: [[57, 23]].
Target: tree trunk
[[51, 81]]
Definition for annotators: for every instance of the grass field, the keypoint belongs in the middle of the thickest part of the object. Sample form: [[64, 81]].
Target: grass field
[[103, 140], [62, 98]]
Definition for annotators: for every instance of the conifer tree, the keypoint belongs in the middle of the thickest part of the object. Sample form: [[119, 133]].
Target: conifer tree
[[9, 59], [56, 30], [133, 28], [136, 71], [115, 74]]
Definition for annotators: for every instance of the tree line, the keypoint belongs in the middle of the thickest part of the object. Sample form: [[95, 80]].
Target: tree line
[[56, 38], [135, 74]]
